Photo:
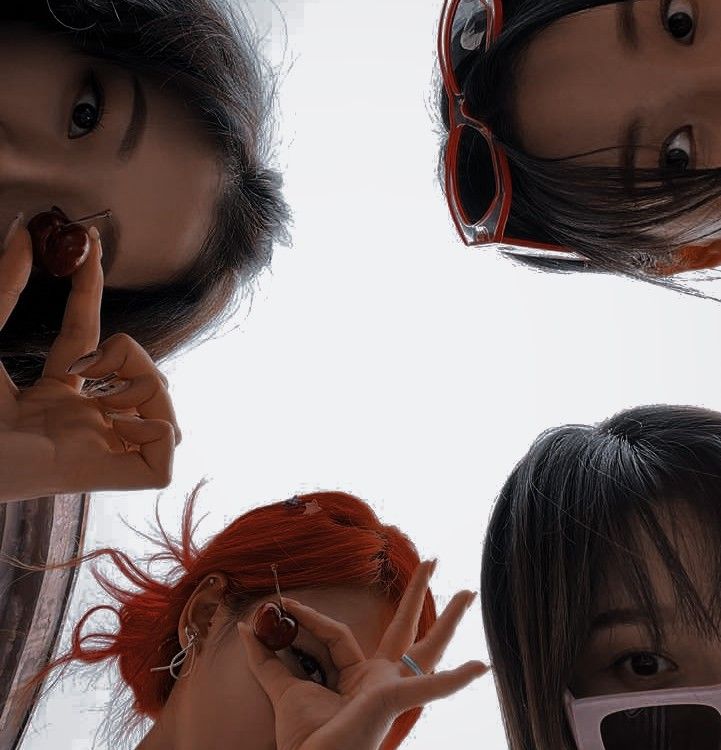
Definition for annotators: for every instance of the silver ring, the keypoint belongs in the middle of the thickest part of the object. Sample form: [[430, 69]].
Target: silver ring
[[412, 665]]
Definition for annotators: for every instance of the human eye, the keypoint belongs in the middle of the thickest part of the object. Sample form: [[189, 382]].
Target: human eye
[[310, 666], [644, 665], [88, 109], [678, 152], [679, 19]]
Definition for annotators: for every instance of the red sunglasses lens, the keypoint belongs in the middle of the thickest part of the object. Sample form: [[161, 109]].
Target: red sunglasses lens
[[663, 728], [475, 175]]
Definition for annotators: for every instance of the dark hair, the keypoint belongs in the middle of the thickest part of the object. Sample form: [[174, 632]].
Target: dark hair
[[593, 210], [204, 52], [574, 512]]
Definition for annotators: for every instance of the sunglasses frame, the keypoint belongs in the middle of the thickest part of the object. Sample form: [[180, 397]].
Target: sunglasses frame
[[586, 714], [491, 227]]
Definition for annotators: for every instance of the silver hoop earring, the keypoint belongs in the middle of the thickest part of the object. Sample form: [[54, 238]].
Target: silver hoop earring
[[178, 660]]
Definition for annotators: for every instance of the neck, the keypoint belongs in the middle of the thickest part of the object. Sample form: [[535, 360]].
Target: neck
[[159, 737]]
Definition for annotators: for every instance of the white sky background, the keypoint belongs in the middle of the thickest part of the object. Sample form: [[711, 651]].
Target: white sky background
[[383, 358]]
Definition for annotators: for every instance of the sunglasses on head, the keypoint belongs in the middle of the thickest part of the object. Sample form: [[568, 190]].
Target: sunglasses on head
[[675, 719], [477, 174]]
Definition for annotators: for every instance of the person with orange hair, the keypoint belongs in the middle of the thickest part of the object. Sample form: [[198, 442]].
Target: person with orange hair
[[355, 675]]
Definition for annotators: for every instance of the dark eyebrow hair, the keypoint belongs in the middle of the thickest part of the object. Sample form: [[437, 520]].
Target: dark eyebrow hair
[[627, 165], [627, 25], [136, 126]]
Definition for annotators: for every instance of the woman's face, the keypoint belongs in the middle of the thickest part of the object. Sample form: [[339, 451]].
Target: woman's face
[[88, 136], [221, 705], [620, 656], [645, 72]]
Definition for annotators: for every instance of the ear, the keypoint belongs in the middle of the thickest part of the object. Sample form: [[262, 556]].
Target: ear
[[692, 258], [199, 610]]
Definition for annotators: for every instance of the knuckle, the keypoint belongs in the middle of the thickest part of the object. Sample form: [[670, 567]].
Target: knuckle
[[119, 340]]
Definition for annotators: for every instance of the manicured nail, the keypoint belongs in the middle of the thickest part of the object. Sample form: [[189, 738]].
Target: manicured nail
[[471, 598], [13, 228], [84, 362], [111, 389], [434, 564]]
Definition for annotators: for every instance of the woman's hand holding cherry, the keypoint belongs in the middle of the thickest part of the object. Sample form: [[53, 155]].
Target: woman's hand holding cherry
[[371, 692], [53, 438]]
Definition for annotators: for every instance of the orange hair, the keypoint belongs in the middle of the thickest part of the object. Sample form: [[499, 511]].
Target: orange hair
[[342, 544]]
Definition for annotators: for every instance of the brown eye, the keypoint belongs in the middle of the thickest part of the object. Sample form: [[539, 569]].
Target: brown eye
[[677, 153], [644, 664], [679, 20], [87, 110]]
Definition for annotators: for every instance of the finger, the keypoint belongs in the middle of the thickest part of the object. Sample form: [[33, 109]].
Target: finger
[[401, 633], [151, 466], [428, 652], [415, 692], [80, 330], [146, 393], [338, 638], [16, 260], [272, 675]]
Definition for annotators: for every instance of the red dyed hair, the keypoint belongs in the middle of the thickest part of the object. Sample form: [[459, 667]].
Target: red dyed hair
[[344, 544]]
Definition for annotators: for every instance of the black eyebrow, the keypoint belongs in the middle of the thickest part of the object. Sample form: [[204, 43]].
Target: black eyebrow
[[627, 162], [627, 25], [136, 126]]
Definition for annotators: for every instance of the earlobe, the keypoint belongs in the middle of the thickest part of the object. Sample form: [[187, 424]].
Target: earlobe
[[692, 258]]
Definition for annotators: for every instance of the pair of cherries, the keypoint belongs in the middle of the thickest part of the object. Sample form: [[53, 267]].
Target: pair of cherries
[[60, 246], [273, 626]]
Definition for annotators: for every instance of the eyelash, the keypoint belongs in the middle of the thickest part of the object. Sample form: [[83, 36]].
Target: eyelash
[[95, 86], [618, 663]]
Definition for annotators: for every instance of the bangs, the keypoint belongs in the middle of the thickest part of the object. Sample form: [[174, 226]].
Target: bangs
[[677, 540]]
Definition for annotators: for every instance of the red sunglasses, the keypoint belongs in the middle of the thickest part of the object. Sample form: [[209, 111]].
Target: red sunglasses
[[481, 217]]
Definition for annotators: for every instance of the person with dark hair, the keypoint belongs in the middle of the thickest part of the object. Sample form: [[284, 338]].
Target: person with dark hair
[[157, 115], [59, 437], [601, 585], [218, 655], [581, 132]]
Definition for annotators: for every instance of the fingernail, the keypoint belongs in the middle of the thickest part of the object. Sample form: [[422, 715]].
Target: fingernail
[[111, 389], [122, 417], [471, 599], [434, 564], [481, 667], [83, 362], [13, 228], [95, 235]]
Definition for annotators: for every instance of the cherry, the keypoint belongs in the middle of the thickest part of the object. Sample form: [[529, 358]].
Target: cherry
[[273, 626], [60, 245]]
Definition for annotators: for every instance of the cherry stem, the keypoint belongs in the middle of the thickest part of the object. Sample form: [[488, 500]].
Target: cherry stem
[[102, 215], [274, 568]]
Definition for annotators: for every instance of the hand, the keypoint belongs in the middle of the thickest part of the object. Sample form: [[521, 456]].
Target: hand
[[371, 693], [53, 439]]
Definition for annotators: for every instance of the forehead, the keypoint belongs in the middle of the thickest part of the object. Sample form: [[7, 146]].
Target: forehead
[[691, 540], [578, 87], [364, 611]]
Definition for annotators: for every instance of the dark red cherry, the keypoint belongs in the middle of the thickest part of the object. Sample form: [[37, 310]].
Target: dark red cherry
[[41, 227], [274, 627], [66, 250], [59, 245]]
